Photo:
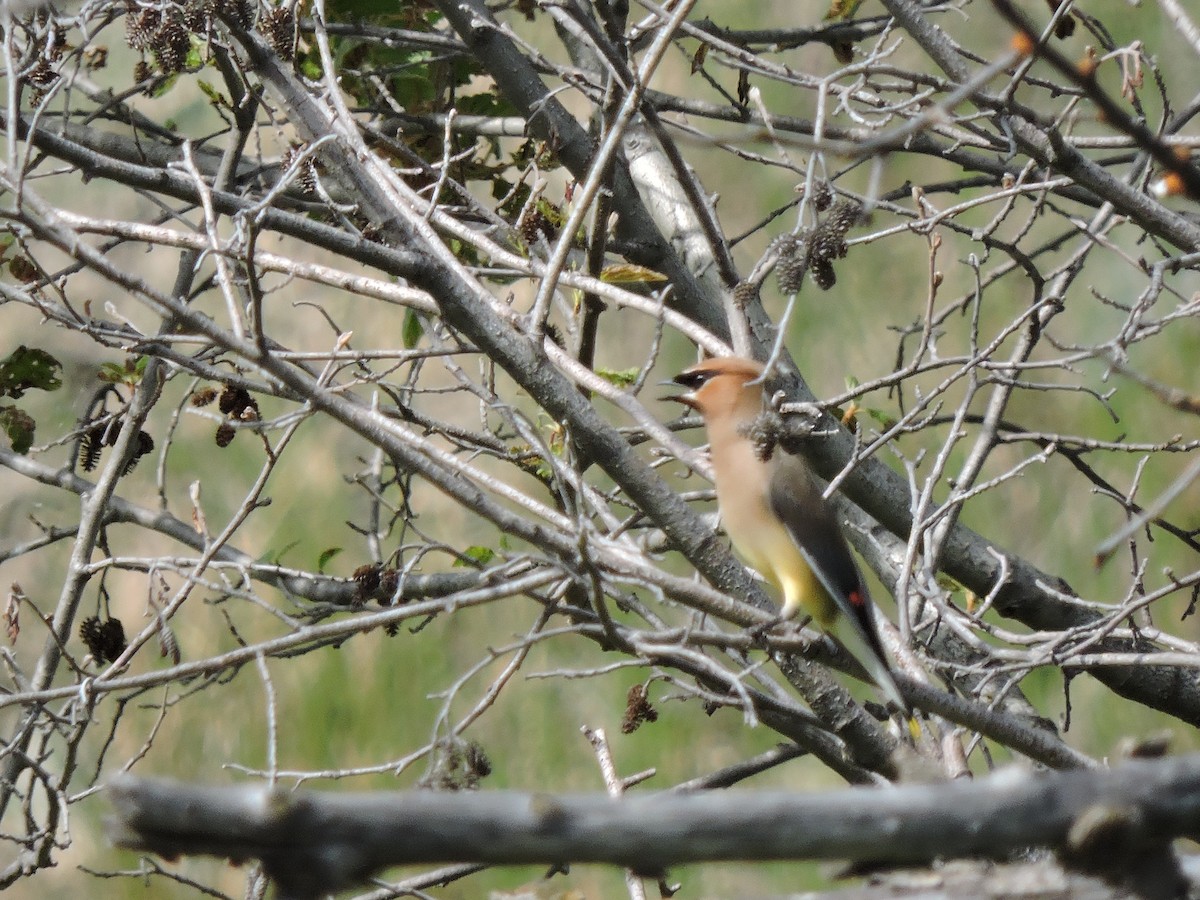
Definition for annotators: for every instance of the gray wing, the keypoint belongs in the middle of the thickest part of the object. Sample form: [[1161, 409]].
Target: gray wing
[[797, 501]]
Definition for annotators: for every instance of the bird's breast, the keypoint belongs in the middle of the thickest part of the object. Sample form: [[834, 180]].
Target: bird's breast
[[757, 534]]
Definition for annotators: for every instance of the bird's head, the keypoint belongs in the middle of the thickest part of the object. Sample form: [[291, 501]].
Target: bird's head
[[722, 387]]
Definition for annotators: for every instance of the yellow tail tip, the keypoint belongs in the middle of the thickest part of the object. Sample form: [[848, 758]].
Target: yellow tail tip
[[914, 728]]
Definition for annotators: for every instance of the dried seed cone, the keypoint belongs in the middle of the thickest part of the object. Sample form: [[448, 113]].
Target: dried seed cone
[[793, 263], [278, 26], [823, 274], [843, 216]]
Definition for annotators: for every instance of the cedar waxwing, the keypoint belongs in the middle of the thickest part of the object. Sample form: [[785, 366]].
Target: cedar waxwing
[[775, 515]]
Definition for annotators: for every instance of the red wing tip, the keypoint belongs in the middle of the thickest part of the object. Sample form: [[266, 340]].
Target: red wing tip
[[857, 598]]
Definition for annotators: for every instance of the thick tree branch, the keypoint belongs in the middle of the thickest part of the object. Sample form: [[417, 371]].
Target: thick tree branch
[[315, 843]]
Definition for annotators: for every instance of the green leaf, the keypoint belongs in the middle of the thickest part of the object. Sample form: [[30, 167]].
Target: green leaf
[[27, 368], [325, 557], [161, 88], [841, 10], [371, 11], [19, 427], [885, 419], [309, 65], [412, 330], [195, 58], [485, 104], [275, 557], [476, 555], [553, 213], [620, 377], [413, 90], [501, 188], [217, 98], [627, 273], [129, 372], [111, 373]]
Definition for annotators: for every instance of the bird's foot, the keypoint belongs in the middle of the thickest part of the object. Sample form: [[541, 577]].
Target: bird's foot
[[758, 633]]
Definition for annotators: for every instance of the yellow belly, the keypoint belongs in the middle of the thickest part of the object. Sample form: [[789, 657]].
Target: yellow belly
[[767, 547]]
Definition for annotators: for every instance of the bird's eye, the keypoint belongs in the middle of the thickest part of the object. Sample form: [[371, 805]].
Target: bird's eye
[[692, 379]]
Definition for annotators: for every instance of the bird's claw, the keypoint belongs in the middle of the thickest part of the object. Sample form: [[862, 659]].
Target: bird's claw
[[758, 633]]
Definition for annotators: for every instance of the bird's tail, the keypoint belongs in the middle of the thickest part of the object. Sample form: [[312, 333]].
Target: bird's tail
[[866, 647]]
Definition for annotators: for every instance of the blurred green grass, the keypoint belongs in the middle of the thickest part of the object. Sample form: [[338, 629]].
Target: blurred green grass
[[374, 699]]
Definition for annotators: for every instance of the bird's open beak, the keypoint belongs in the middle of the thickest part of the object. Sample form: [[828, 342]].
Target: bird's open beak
[[688, 398]]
